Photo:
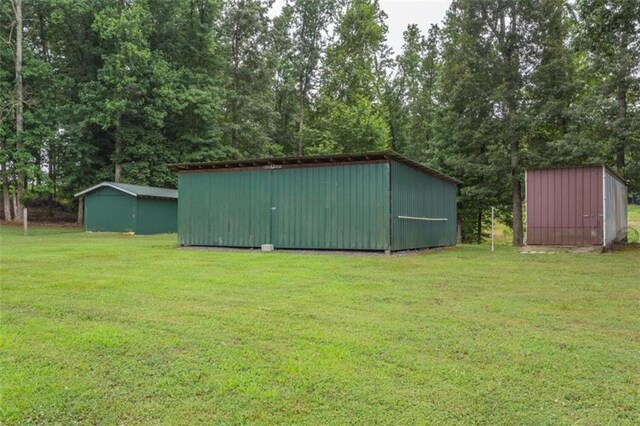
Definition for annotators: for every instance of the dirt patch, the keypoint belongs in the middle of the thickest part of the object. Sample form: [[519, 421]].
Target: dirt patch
[[560, 249], [625, 247]]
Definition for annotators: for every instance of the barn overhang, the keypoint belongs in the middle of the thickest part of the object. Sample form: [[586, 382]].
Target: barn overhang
[[311, 161]]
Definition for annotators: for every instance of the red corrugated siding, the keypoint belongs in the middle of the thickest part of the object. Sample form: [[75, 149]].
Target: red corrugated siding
[[564, 206]]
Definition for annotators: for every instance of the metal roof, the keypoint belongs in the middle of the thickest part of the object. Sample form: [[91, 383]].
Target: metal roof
[[613, 172], [135, 190], [313, 160]]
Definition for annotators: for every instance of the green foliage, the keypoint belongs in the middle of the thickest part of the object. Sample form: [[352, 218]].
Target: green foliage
[[358, 126], [609, 34], [300, 37], [411, 96], [350, 106], [249, 107], [497, 87]]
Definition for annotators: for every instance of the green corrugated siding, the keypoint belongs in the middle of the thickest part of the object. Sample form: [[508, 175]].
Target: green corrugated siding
[[337, 207], [156, 215], [224, 208], [418, 195], [109, 210]]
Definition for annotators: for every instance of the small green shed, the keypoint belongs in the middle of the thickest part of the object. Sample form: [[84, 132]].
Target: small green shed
[[121, 207], [371, 201]]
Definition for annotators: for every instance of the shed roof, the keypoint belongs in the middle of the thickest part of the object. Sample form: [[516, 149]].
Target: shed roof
[[613, 172], [134, 190], [314, 159]]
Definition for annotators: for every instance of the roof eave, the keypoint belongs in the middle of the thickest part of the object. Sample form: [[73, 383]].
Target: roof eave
[[335, 158], [107, 184], [577, 166]]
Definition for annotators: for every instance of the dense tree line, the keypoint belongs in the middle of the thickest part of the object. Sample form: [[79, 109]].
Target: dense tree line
[[95, 90]]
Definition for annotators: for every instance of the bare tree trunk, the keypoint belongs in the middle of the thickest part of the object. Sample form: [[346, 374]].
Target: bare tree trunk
[[17, 4], [6, 199], [301, 126], [479, 227], [459, 230], [621, 100], [518, 232], [303, 90], [14, 198], [118, 166], [118, 153], [81, 210], [51, 158]]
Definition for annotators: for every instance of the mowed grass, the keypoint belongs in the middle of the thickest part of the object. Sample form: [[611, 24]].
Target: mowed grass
[[118, 329], [633, 216]]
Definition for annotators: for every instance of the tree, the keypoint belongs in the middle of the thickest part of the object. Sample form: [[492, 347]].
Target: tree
[[249, 105], [353, 80], [415, 86], [6, 112], [186, 35], [311, 22], [609, 32], [465, 140], [134, 90], [19, 157], [284, 84]]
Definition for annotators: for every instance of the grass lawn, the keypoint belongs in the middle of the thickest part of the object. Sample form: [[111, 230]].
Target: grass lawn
[[117, 329], [633, 213]]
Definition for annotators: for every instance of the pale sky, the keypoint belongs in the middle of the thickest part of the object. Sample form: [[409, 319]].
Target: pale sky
[[401, 13]]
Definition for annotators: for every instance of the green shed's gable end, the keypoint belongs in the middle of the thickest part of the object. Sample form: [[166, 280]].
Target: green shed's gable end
[[109, 210], [423, 209], [115, 207]]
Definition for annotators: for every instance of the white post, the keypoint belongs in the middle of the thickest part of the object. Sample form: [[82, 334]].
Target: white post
[[24, 222], [493, 238]]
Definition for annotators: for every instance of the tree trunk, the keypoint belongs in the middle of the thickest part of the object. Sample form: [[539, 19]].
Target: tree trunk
[[479, 225], [118, 166], [6, 199], [301, 126], [518, 232], [44, 45], [81, 210], [14, 198], [621, 100], [19, 107], [118, 154], [303, 92]]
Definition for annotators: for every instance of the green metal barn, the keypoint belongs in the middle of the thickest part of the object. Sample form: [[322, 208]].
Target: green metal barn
[[120, 207], [373, 201]]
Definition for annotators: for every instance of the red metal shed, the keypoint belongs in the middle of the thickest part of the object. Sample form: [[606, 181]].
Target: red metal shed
[[582, 205]]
